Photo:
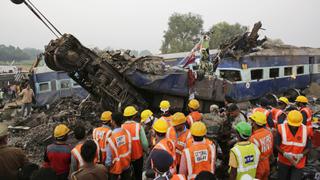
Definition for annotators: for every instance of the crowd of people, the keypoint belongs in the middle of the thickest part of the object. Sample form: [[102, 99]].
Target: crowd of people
[[134, 145]]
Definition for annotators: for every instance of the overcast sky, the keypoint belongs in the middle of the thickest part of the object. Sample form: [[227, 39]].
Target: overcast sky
[[139, 24]]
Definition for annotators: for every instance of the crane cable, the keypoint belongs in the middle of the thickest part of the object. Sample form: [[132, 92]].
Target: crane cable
[[35, 11]]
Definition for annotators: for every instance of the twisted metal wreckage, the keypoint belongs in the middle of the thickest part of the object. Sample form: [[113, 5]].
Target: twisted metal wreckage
[[117, 79]]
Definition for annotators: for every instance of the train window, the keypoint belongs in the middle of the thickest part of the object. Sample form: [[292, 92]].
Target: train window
[[256, 74], [65, 84], [300, 70], [274, 72], [44, 87], [288, 71], [231, 75]]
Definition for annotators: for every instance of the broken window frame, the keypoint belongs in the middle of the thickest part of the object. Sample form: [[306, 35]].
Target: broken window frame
[[38, 85], [75, 84], [285, 73], [64, 80], [238, 74], [271, 74], [299, 68], [260, 71]]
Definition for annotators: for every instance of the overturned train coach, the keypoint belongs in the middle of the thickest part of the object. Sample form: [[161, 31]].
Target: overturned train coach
[[118, 80], [277, 71]]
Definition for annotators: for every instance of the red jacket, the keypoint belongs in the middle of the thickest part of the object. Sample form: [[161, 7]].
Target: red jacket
[[58, 157]]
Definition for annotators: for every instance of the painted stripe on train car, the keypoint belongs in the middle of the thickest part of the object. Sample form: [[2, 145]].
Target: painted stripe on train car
[[241, 92]]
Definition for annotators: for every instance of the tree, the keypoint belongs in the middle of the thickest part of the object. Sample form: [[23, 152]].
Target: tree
[[145, 53], [8, 53], [182, 34], [221, 32]]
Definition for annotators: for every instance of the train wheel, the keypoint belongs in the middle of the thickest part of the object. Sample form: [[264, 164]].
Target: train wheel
[[292, 94]]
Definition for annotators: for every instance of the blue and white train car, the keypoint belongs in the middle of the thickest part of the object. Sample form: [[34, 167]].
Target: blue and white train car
[[51, 85], [275, 70]]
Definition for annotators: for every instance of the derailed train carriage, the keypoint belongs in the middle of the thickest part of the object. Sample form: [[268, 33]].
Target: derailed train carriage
[[118, 79]]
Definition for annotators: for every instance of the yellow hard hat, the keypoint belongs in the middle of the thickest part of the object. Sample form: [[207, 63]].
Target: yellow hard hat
[[164, 105], [295, 118], [178, 118], [302, 99], [145, 115], [129, 111], [60, 130], [284, 99], [194, 104], [106, 116], [198, 129], [259, 117], [160, 126]]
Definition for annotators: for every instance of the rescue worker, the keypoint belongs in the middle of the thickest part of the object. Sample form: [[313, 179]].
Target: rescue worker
[[301, 102], [200, 156], [263, 139], [147, 120], [90, 170], [194, 115], [138, 139], [264, 108], [58, 155], [293, 144], [11, 158], [164, 108], [244, 156], [278, 114], [179, 133], [160, 127], [119, 150], [161, 161], [76, 159], [101, 134]]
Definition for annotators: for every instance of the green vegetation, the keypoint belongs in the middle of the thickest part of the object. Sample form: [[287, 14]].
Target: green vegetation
[[221, 32], [182, 34], [185, 30], [10, 53]]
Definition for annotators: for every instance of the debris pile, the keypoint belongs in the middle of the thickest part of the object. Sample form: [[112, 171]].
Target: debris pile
[[34, 133]]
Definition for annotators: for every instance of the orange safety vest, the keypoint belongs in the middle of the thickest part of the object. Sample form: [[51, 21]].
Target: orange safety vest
[[263, 139], [100, 135], [180, 142], [276, 113], [194, 117], [134, 129], [308, 112], [168, 145], [293, 144], [191, 140], [200, 157], [168, 119], [178, 177], [171, 134], [120, 145], [76, 153]]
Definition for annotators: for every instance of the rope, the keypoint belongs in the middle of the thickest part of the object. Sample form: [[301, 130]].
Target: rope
[[44, 17], [39, 17]]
